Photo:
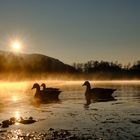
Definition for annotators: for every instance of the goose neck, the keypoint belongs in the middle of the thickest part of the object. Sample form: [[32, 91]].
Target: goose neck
[[88, 87], [37, 91]]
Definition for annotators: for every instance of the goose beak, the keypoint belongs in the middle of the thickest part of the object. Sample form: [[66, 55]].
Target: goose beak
[[83, 85], [32, 88]]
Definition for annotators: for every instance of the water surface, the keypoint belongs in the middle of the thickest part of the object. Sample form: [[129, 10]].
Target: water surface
[[118, 119]]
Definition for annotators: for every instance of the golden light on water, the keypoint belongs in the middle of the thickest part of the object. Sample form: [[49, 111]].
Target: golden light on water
[[17, 116], [14, 98]]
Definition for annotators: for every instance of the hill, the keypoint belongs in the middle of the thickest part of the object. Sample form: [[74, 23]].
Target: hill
[[31, 63]]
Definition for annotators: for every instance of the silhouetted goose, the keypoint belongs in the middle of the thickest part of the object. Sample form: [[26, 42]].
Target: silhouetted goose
[[45, 95], [97, 93], [50, 88], [38, 93], [53, 93]]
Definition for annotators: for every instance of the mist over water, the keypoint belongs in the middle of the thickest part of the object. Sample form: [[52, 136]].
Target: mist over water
[[112, 119]]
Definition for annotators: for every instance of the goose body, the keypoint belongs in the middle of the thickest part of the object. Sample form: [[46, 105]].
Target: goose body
[[52, 93], [49, 89], [97, 93], [45, 95]]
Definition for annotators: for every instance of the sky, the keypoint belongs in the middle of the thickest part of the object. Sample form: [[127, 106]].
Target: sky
[[73, 30]]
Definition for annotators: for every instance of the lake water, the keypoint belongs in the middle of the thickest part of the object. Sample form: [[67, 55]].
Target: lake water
[[118, 119]]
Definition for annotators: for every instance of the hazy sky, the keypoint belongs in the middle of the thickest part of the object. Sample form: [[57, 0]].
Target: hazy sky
[[73, 30]]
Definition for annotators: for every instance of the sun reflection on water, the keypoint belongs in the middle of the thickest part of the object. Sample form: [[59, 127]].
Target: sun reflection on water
[[15, 98], [17, 117]]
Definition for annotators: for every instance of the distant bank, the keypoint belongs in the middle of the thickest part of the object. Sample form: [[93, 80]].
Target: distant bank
[[20, 66]]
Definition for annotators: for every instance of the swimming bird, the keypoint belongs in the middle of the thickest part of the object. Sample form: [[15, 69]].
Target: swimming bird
[[97, 93], [50, 88], [38, 93], [45, 95], [52, 93]]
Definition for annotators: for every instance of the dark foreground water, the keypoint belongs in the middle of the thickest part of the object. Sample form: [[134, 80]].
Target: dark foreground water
[[70, 118]]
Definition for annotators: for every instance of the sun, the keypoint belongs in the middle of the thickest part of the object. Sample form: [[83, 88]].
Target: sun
[[16, 46]]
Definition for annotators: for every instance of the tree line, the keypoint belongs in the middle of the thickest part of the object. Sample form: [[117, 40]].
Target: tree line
[[109, 70], [37, 64]]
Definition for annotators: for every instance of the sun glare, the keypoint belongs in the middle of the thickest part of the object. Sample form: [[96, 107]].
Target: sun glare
[[16, 46]]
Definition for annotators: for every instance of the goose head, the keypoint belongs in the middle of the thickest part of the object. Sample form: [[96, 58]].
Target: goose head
[[36, 85], [43, 85], [86, 83]]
